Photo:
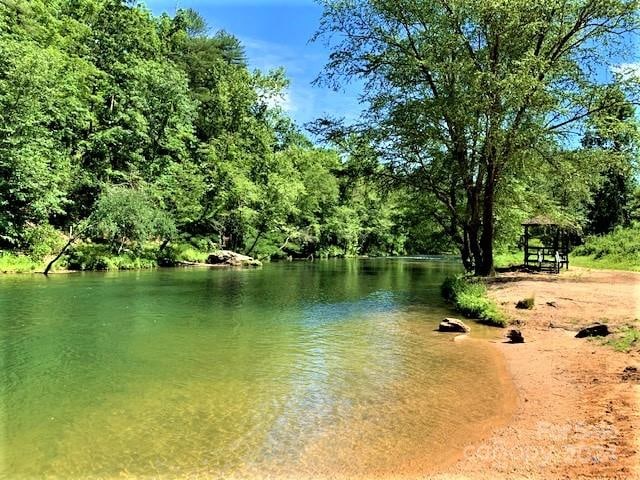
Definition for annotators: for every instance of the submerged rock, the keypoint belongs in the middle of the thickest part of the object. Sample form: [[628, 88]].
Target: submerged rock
[[595, 330], [232, 259], [453, 325], [515, 336]]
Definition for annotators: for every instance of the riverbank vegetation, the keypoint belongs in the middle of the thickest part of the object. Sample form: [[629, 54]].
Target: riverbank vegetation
[[469, 297], [618, 250], [130, 140]]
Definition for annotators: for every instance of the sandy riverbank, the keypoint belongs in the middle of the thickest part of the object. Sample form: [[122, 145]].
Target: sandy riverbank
[[578, 416]]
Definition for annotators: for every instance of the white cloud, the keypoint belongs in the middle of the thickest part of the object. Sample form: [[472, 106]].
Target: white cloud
[[627, 71], [282, 101]]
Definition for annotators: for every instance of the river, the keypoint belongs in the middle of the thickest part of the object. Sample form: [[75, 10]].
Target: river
[[310, 369]]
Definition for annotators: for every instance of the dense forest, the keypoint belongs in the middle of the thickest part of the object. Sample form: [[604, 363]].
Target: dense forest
[[128, 130], [134, 139]]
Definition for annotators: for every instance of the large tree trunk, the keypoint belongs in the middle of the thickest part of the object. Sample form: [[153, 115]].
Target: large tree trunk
[[465, 252], [485, 268], [474, 245]]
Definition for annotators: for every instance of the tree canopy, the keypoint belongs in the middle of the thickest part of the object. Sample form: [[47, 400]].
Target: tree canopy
[[471, 101], [131, 131]]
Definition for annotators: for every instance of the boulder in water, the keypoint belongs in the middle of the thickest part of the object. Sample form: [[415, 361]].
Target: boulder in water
[[453, 325], [232, 259]]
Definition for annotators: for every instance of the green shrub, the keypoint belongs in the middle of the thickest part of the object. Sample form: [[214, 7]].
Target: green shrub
[[526, 303], [183, 252], [332, 251], [89, 256], [16, 263], [470, 298], [43, 240], [619, 249], [128, 216], [451, 286]]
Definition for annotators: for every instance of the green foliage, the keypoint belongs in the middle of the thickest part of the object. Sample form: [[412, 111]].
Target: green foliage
[[185, 252], [423, 234], [619, 249], [42, 240], [615, 133], [332, 251], [451, 286], [101, 257], [626, 339], [469, 297], [124, 215], [17, 263]]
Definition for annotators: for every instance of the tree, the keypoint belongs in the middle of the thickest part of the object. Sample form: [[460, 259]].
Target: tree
[[461, 93], [124, 214], [43, 103], [614, 133]]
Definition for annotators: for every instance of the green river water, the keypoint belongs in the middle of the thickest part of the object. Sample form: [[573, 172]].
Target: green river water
[[295, 370]]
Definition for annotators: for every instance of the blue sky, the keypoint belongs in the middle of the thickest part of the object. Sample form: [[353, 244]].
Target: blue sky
[[276, 33]]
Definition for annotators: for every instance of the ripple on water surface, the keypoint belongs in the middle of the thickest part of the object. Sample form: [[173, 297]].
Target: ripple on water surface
[[331, 369]]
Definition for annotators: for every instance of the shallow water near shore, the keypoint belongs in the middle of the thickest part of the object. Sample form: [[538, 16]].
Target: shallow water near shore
[[322, 369]]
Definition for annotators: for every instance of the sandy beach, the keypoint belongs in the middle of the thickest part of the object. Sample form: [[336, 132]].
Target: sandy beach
[[578, 410]]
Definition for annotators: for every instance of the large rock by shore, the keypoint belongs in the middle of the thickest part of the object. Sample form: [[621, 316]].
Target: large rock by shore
[[515, 336], [453, 325], [232, 259], [594, 330]]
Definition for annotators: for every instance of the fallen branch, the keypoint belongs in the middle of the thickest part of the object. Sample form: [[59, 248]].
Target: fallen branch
[[72, 239]]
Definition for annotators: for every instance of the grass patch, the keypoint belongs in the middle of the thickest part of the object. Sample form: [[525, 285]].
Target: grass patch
[[526, 303], [469, 297], [508, 259], [609, 263], [618, 250], [17, 263], [90, 256], [184, 252], [626, 339]]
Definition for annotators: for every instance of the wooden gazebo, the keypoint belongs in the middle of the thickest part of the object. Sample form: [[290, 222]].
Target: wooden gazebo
[[553, 252]]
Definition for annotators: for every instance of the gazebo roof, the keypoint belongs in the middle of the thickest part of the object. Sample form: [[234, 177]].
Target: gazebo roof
[[548, 221], [541, 220]]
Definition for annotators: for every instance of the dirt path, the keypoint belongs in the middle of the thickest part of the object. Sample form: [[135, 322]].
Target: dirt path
[[577, 415]]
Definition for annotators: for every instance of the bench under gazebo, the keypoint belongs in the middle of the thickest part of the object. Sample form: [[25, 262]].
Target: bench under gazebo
[[551, 253]]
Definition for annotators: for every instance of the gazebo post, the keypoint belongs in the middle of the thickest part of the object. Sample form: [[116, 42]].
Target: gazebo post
[[526, 245]]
